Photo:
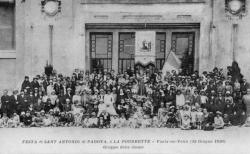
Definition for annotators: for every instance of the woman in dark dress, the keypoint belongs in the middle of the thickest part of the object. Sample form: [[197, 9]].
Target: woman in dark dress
[[236, 75], [141, 84]]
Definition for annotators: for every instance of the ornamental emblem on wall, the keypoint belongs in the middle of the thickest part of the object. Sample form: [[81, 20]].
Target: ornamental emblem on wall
[[235, 8], [146, 46], [51, 7]]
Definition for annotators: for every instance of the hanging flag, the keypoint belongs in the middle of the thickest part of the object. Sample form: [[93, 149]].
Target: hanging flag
[[145, 47], [171, 63]]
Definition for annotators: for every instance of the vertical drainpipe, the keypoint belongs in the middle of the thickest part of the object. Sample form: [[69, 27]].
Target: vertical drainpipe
[[211, 54], [235, 40], [51, 45]]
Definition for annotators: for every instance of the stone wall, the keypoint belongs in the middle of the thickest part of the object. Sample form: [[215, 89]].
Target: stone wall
[[222, 39]]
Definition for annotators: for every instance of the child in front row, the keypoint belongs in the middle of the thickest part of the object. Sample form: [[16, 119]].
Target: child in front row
[[247, 123], [186, 122], [4, 121], [193, 118], [218, 121], [200, 118]]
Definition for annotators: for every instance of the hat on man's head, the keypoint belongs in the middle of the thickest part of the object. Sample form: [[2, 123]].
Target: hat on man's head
[[68, 88], [121, 93], [15, 91], [101, 100], [218, 112], [172, 107]]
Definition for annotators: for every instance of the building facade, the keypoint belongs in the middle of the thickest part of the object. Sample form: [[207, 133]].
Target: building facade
[[85, 33]]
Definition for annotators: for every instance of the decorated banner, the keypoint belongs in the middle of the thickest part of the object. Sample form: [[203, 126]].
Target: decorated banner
[[145, 47], [172, 63]]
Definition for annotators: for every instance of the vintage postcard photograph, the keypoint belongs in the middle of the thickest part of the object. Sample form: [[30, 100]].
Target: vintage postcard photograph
[[124, 76]]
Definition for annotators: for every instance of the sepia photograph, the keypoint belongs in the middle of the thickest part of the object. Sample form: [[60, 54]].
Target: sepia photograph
[[124, 76]]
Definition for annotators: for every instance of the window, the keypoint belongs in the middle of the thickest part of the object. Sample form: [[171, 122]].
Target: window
[[7, 29], [126, 51], [101, 45], [183, 46], [160, 50]]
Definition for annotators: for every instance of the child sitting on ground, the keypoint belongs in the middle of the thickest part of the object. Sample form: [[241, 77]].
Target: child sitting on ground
[[47, 121], [163, 120], [93, 120], [146, 121], [208, 122], [218, 121], [247, 123], [5, 120], [78, 118], [10, 122], [37, 120], [186, 122], [172, 118], [101, 122], [193, 118], [28, 119], [155, 122], [114, 121], [226, 120], [200, 118], [62, 119], [16, 119], [70, 119], [85, 122], [104, 120], [123, 123], [22, 117], [134, 122], [1, 122]]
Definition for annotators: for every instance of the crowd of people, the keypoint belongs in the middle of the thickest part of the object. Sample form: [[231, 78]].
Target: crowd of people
[[135, 99]]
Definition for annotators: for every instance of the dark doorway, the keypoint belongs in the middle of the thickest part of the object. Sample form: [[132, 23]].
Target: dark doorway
[[126, 51], [101, 51], [182, 45]]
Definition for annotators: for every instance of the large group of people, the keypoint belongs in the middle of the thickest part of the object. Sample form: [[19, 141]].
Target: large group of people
[[135, 98]]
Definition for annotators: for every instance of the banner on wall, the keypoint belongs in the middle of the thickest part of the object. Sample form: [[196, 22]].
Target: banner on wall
[[145, 47]]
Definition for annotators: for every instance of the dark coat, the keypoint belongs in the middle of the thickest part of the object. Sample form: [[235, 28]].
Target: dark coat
[[25, 84], [27, 120], [7, 105], [34, 85]]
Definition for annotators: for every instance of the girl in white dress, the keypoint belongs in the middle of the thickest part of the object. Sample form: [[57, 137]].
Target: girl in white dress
[[101, 107], [109, 102], [180, 99]]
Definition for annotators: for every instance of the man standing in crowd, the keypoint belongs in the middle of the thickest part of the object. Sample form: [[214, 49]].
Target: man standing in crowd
[[34, 84], [26, 84], [14, 101], [6, 103]]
